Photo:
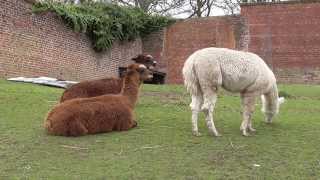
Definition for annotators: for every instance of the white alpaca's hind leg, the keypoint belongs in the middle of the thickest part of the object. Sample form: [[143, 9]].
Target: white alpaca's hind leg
[[210, 99], [195, 108], [248, 105], [250, 126], [210, 123]]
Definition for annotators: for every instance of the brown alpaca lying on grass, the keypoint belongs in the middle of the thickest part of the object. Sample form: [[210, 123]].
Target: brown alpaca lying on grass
[[99, 114], [103, 86]]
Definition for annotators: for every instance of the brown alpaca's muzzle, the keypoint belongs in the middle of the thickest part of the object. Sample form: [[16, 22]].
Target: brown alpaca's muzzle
[[146, 60], [152, 65], [146, 74]]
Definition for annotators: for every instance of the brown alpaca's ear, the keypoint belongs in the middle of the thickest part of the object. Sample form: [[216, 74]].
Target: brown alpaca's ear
[[149, 57], [136, 59]]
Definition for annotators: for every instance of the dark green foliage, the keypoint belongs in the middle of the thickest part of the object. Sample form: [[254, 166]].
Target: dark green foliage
[[105, 23], [284, 94]]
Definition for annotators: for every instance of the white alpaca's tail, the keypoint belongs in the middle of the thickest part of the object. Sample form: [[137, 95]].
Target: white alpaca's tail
[[190, 77]]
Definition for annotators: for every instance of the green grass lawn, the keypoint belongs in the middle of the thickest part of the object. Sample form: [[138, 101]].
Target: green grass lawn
[[162, 146]]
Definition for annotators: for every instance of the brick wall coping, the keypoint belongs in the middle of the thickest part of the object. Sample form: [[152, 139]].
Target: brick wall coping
[[281, 2], [208, 18], [31, 1]]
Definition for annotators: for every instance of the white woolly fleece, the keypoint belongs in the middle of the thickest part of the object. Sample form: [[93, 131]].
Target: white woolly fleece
[[208, 69], [235, 71]]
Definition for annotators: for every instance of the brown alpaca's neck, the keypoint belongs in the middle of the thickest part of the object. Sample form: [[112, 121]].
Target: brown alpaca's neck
[[131, 84]]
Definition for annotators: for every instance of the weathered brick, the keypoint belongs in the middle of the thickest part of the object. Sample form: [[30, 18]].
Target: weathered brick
[[42, 45], [286, 36], [183, 38]]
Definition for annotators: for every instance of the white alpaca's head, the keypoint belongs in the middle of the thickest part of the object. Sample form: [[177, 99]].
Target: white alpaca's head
[[270, 108]]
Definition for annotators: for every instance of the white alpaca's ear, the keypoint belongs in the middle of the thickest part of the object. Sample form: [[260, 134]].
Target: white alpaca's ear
[[281, 100]]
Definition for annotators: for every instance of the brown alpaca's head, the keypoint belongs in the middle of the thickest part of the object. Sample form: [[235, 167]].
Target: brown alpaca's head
[[141, 70], [147, 60]]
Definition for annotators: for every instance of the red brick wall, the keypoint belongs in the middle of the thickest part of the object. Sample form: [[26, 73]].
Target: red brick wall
[[185, 37], [42, 45], [287, 37]]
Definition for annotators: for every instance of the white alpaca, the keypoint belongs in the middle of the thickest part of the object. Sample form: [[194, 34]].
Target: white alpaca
[[208, 69]]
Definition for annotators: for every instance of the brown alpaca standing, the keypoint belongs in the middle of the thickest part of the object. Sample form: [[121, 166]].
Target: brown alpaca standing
[[99, 114], [103, 86]]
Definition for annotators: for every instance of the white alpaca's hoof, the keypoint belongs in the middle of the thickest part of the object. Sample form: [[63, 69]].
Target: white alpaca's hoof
[[245, 133], [197, 134], [252, 129], [216, 134]]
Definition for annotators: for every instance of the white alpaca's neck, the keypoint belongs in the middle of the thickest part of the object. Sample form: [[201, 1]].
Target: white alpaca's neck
[[270, 104]]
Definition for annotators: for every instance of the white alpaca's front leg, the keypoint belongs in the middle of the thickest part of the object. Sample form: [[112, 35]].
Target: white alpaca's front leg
[[195, 108], [250, 126], [268, 117], [248, 105], [245, 124]]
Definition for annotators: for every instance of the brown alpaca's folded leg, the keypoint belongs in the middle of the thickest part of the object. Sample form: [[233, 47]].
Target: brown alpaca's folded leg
[[135, 124], [124, 119], [123, 124], [63, 128], [76, 128], [57, 128], [47, 125]]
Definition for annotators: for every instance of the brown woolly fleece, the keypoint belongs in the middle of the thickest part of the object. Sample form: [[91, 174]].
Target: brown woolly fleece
[[104, 86], [92, 88], [99, 114]]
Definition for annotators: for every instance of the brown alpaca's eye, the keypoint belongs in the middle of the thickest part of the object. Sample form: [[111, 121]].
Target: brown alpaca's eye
[[142, 70]]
